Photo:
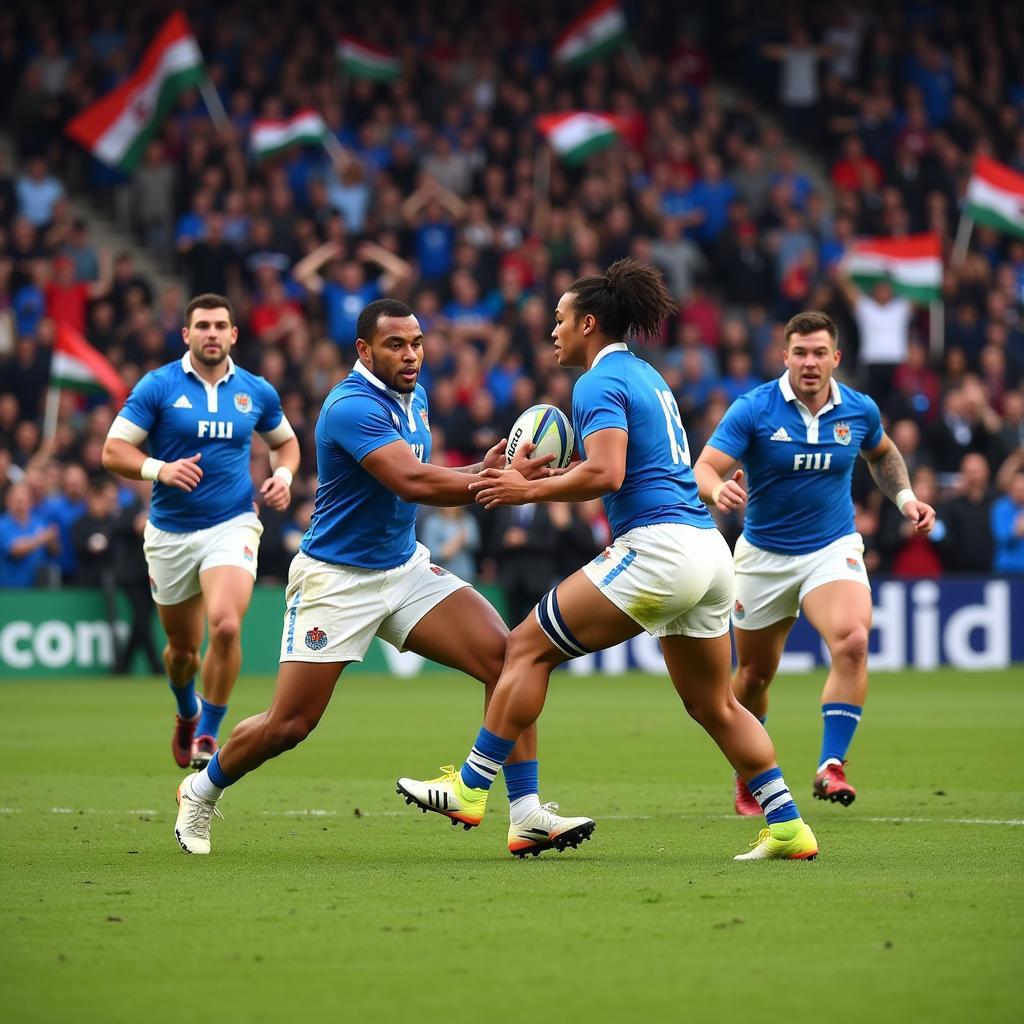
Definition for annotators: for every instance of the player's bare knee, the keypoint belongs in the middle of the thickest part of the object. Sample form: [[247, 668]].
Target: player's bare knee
[[180, 654], [753, 679], [225, 630], [851, 647], [283, 734]]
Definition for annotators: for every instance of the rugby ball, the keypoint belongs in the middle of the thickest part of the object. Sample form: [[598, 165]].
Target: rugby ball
[[549, 429]]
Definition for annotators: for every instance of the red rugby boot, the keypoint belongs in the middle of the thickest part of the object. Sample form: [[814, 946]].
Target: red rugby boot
[[830, 784], [744, 803]]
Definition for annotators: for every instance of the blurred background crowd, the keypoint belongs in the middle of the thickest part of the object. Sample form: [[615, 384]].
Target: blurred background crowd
[[758, 139]]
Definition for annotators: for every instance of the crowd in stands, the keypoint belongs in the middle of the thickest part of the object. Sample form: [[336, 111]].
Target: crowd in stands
[[842, 121]]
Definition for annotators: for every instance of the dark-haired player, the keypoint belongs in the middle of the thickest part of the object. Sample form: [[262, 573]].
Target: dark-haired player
[[668, 570], [798, 438], [203, 538], [360, 573]]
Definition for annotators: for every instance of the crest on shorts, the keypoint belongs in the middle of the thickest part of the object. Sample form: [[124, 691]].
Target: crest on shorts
[[438, 571], [852, 563], [247, 552], [243, 403], [423, 416], [152, 584], [738, 611], [603, 557], [316, 639], [841, 432]]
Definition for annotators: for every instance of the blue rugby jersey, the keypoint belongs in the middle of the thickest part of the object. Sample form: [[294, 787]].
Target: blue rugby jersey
[[184, 415], [622, 391], [798, 467], [356, 519]]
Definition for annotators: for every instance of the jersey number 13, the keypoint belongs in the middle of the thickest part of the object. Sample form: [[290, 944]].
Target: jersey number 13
[[677, 442]]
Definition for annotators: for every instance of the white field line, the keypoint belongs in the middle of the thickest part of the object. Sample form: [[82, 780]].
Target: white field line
[[317, 812]]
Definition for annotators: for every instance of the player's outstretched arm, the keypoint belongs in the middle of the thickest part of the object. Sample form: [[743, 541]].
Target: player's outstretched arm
[[719, 480], [890, 472], [395, 466], [600, 473]]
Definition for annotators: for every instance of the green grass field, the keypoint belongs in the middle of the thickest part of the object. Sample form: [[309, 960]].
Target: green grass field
[[326, 898]]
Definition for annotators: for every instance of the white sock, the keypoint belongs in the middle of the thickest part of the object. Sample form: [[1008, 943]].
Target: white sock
[[519, 810], [203, 788]]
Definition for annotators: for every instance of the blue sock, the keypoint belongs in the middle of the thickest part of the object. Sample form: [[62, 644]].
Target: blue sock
[[216, 773], [188, 703], [210, 719], [769, 789], [485, 760], [521, 779], [841, 721]]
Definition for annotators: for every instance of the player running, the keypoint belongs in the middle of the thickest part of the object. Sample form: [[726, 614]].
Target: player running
[[668, 570], [360, 573], [203, 535], [799, 437]]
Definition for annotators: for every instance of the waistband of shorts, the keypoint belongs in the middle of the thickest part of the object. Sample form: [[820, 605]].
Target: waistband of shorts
[[845, 538], [362, 570], [241, 519]]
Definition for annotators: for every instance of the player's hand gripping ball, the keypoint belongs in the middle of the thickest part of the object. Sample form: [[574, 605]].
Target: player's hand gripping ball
[[546, 427]]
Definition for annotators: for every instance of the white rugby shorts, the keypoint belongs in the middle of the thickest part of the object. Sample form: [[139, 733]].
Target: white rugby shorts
[[669, 578], [332, 612], [175, 560], [771, 586]]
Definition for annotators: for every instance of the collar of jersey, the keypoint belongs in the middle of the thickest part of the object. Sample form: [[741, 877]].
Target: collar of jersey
[[405, 401], [615, 346], [790, 395], [186, 365]]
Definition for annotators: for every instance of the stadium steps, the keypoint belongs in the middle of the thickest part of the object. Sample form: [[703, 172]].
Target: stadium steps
[[104, 231]]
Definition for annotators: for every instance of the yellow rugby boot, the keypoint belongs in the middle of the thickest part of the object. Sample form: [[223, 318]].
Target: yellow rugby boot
[[789, 840], [447, 795]]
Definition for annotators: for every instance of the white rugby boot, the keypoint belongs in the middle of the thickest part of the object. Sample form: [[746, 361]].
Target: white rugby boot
[[543, 829], [192, 826]]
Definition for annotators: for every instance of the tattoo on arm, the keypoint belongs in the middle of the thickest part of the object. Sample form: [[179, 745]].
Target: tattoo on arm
[[890, 473]]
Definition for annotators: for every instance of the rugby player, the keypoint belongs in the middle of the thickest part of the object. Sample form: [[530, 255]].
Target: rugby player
[[798, 439], [668, 570], [360, 573], [202, 539]]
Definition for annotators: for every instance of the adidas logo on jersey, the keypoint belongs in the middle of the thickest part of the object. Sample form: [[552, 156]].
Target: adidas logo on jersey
[[780, 435], [181, 403]]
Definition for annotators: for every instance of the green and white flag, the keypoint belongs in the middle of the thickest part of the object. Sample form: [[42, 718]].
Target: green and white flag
[[269, 137], [77, 366], [912, 265], [576, 135], [995, 196], [595, 33], [117, 128], [363, 60]]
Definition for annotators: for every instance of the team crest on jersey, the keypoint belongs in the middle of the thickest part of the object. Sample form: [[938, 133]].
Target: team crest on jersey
[[247, 552], [316, 639], [738, 611], [438, 571], [841, 432], [852, 563], [423, 416], [243, 403]]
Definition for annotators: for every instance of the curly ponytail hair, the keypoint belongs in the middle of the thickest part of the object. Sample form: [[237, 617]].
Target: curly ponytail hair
[[630, 298]]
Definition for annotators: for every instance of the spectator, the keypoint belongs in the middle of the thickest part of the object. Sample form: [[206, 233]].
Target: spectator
[[38, 192], [1008, 527], [968, 544], [905, 552], [27, 541], [453, 539]]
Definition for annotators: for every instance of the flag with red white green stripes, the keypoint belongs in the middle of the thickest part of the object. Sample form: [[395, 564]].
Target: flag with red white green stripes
[[912, 265], [117, 128], [77, 366], [360, 59], [995, 196], [577, 134], [597, 32]]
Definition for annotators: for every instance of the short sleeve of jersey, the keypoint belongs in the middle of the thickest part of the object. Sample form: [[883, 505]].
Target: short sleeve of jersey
[[143, 403], [735, 430], [599, 402], [272, 414], [360, 426], [873, 422]]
